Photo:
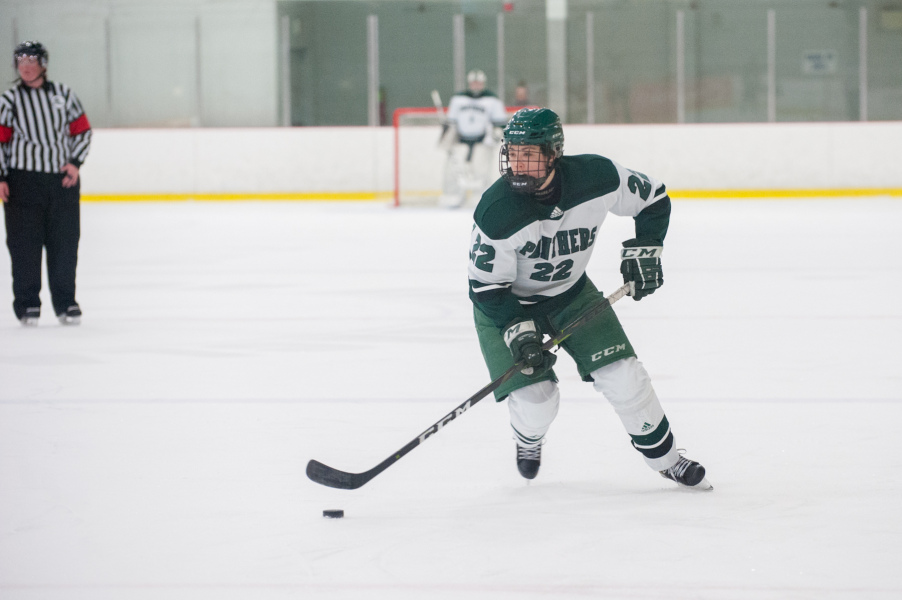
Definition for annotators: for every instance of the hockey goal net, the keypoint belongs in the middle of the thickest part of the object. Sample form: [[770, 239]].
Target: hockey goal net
[[419, 157]]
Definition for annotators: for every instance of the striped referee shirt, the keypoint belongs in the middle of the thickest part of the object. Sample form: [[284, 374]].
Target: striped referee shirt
[[41, 129]]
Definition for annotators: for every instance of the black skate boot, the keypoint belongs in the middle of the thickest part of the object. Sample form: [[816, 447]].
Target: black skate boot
[[688, 473], [30, 317], [529, 460], [72, 316]]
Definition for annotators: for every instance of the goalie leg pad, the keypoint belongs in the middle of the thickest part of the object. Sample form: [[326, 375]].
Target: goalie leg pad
[[627, 386], [454, 167], [481, 167], [532, 410]]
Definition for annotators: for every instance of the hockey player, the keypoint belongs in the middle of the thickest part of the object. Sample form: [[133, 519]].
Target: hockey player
[[535, 229], [468, 134]]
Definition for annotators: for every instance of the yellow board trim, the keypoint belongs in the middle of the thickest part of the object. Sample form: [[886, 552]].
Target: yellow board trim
[[389, 196], [808, 193], [243, 197]]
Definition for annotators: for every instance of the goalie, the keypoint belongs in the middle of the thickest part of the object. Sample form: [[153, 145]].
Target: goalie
[[469, 136]]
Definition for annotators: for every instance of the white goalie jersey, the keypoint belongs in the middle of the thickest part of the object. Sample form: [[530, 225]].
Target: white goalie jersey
[[474, 116]]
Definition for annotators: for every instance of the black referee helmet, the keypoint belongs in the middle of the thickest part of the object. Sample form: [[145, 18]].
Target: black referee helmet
[[31, 49]]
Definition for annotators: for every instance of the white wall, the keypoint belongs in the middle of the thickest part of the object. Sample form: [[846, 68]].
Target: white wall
[[359, 160], [779, 156], [155, 63], [239, 161]]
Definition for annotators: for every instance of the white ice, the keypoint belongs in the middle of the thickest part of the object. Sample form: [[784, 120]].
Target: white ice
[[158, 450]]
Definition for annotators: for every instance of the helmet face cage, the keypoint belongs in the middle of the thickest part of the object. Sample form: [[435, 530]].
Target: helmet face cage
[[539, 127], [35, 49], [524, 182]]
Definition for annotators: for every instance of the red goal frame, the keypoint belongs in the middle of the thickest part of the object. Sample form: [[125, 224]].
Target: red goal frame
[[397, 115]]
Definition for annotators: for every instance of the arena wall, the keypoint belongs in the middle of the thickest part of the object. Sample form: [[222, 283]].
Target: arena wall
[[356, 163]]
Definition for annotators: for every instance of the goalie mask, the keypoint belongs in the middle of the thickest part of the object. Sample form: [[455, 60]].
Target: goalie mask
[[533, 143]]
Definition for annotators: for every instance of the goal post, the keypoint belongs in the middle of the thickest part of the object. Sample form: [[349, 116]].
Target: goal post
[[419, 156]]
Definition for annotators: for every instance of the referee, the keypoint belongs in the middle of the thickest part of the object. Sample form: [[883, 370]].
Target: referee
[[44, 139]]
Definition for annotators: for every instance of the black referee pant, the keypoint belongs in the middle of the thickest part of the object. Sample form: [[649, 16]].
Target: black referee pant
[[42, 213]]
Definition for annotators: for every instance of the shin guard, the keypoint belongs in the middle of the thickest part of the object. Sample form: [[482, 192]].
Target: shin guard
[[532, 410], [627, 386]]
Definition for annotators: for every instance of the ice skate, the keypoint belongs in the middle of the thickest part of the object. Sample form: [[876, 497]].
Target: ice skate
[[529, 460], [30, 318], [72, 316], [689, 474]]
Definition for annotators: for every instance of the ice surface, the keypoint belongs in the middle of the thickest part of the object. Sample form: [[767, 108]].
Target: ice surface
[[158, 450]]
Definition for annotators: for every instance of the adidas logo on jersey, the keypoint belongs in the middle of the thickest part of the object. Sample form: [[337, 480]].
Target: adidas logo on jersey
[[647, 427], [557, 213]]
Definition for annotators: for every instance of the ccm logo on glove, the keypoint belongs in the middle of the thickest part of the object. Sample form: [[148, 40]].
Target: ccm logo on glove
[[644, 252]]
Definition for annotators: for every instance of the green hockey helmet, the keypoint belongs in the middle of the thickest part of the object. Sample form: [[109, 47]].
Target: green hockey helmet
[[532, 127]]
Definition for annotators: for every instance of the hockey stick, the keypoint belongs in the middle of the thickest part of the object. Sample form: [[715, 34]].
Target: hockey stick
[[443, 120], [437, 102], [330, 477]]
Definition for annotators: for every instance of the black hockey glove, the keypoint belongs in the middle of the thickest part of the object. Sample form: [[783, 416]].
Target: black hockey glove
[[641, 267], [524, 338]]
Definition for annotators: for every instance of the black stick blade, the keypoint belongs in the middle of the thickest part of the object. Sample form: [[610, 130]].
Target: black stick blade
[[326, 475]]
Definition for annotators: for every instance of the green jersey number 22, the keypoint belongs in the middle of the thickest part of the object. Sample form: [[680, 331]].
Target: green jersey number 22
[[482, 261], [550, 272], [639, 184]]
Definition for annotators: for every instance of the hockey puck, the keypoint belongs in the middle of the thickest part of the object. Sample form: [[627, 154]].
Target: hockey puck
[[333, 514]]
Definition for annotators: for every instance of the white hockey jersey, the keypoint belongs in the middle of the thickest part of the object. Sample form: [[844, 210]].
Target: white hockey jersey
[[474, 116], [525, 253]]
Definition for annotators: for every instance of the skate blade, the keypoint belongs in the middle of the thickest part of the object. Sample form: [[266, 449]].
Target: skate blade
[[701, 486]]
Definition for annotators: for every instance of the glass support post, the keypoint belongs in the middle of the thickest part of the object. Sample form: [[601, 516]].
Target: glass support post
[[198, 119], [556, 24], [108, 56], [499, 25], [285, 75], [372, 46], [681, 66], [590, 68], [863, 63], [771, 65], [460, 53]]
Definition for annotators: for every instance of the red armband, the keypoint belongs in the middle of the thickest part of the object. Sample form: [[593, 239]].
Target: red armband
[[79, 125], [6, 134]]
